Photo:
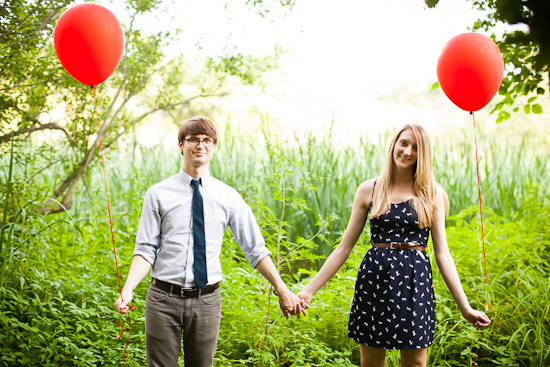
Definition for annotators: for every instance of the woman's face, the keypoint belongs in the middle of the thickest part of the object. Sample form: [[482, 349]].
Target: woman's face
[[405, 152]]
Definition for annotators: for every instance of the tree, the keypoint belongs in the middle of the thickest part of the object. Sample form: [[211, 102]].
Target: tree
[[33, 84], [526, 53]]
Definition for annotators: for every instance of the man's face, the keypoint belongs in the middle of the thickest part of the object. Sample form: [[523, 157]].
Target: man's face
[[198, 150]]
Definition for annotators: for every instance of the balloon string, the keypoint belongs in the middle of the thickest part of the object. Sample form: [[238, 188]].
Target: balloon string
[[111, 227], [481, 221], [482, 234]]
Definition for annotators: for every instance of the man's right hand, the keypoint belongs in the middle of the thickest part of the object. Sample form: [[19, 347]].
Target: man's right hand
[[121, 303], [290, 304]]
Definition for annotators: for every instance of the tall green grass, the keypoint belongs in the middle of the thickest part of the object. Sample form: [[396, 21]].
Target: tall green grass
[[59, 279]]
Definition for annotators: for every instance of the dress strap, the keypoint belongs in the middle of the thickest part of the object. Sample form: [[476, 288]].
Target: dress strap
[[372, 196]]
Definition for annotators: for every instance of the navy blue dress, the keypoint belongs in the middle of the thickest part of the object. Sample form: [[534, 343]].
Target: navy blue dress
[[394, 305]]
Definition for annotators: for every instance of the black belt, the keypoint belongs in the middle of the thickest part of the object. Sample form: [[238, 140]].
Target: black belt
[[184, 292]]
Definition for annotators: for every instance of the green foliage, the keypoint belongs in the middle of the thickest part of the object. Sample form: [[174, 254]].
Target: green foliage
[[518, 271], [247, 68], [58, 278], [55, 321], [26, 64]]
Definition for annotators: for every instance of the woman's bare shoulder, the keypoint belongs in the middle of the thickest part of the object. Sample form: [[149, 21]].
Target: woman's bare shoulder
[[439, 190], [366, 188]]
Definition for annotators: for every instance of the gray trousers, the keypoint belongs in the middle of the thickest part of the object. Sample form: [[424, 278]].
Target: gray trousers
[[169, 318]]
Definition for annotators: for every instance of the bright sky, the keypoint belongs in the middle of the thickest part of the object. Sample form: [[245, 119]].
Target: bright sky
[[363, 63]]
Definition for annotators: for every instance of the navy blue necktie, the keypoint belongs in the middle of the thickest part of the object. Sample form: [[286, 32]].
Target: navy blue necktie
[[199, 267]]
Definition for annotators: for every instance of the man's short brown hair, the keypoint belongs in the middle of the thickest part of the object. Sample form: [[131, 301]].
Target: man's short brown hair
[[198, 125]]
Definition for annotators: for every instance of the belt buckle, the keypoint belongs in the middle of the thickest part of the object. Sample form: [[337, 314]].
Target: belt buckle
[[182, 293], [392, 245]]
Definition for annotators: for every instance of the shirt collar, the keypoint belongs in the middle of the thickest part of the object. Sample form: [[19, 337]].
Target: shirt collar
[[186, 178]]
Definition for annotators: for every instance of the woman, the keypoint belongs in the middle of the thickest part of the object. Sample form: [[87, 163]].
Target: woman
[[394, 306]]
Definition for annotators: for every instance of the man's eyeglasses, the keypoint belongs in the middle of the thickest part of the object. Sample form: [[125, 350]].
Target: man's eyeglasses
[[196, 141]]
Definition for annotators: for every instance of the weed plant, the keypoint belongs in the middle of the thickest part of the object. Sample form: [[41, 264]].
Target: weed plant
[[58, 278]]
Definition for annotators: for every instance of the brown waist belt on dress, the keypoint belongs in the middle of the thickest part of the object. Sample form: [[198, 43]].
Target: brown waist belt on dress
[[181, 291], [397, 245]]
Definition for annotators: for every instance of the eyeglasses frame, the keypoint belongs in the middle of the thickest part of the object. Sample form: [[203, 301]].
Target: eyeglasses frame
[[201, 141]]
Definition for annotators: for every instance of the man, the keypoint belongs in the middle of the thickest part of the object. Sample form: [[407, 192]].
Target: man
[[179, 238]]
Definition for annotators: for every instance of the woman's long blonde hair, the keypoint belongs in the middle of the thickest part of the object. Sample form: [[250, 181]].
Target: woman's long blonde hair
[[424, 180]]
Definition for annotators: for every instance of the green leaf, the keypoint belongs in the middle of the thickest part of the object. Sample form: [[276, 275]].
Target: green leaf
[[527, 108], [532, 99], [435, 85], [537, 108], [431, 3]]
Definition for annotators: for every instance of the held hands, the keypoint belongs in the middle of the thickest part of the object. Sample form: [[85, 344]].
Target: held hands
[[478, 318], [290, 304]]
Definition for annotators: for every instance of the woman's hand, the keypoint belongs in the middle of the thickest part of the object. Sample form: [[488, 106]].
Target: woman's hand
[[306, 297], [478, 318]]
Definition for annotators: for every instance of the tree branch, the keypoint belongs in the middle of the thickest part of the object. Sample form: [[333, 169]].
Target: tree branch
[[33, 84], [4, 35], [7, 137]]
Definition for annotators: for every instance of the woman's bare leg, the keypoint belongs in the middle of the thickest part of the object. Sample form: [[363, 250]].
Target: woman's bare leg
[[372, 357], [414, 357]]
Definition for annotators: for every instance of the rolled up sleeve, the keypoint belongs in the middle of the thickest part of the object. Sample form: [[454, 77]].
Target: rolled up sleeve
[[246, 231], [148, 236]]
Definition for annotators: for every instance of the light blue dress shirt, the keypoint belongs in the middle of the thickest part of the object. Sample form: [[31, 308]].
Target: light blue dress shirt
[[165, 237]]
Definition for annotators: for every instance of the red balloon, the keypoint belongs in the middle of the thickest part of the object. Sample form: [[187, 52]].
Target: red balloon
[[470, 70], [89, 42]]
